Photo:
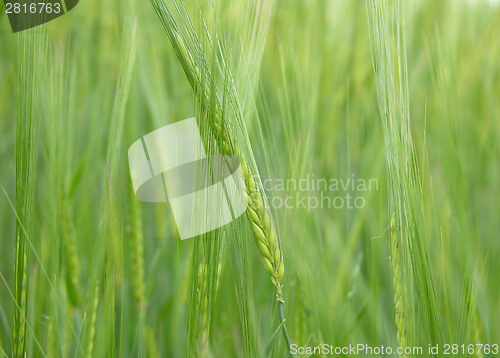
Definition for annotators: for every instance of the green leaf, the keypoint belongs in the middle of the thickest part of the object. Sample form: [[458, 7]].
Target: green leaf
[[266, 352]]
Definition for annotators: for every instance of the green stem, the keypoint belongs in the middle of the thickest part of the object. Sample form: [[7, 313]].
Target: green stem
[[285, 333]]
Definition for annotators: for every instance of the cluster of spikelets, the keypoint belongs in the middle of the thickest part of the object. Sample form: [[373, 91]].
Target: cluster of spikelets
[[396, 283], [202, 301], [263, 229], [258, 213]]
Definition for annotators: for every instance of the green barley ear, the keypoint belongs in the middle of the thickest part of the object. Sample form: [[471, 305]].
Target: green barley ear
[[230, 138], [258, 212], [396, 285], [92, 319], [203, 348], [260, 220], [31, 66], [405, 186]]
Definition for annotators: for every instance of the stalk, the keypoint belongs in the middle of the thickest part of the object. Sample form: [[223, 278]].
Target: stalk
[[137, 251], [91, 326], [399, 313], [31, 54], [203, 348], [285, 332], [72, 259]]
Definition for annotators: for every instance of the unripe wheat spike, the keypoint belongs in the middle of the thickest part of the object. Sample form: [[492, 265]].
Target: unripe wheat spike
[[397, 287], [258, 214]]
